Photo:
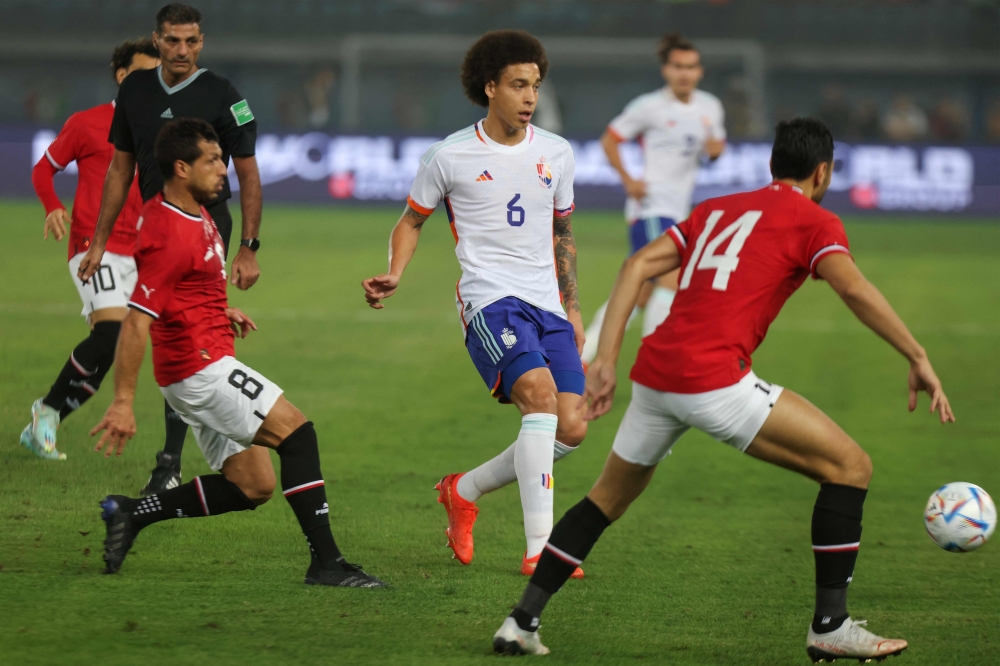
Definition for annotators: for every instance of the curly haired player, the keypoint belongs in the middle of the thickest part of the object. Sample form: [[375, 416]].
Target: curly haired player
[[507, 188]]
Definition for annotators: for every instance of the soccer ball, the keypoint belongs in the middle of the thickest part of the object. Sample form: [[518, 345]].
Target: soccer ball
[[960, 517]]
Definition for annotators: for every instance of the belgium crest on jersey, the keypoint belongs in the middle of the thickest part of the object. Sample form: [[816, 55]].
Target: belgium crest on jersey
[[544, 173]]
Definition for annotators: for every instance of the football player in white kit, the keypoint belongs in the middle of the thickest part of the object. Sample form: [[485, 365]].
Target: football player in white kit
[[507, 188], [676, 125]]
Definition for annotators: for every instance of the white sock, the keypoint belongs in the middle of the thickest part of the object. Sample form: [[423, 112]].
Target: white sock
[[498, 472], [533, 457], [594, 331], [491, 475], [657, 309], [561, 451]]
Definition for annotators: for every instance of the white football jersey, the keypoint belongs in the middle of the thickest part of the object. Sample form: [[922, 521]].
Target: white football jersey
[[673, 138], [500, 202]]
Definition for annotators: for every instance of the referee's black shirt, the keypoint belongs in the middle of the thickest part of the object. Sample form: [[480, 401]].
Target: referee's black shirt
[[145, 104]]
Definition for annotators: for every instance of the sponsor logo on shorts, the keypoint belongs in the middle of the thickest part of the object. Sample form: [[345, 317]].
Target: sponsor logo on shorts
[[508, 337]]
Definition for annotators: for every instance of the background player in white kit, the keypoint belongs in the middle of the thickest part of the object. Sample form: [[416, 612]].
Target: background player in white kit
[[507, 187], [677, 125]]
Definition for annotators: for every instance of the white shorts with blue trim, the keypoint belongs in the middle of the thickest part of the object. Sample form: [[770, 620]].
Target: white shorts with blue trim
[[655, 419]]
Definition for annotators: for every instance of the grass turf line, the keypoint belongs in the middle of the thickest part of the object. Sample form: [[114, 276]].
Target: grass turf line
[[711, 566]]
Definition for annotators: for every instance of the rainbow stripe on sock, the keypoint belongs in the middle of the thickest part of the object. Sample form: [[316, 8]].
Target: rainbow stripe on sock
[[547, 481]]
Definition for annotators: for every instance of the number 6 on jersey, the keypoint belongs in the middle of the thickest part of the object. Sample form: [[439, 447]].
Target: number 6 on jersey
[[705, 258]]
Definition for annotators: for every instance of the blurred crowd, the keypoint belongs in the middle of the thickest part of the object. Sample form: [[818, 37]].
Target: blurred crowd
[[903, 118]]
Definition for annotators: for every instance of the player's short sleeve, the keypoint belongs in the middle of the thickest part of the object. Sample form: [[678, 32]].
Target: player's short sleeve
[[633, 121], [159, 268], [431, 183], [236, 125], [563, 199], [681, 233], [121, 132], [823, 237], [66, 146]]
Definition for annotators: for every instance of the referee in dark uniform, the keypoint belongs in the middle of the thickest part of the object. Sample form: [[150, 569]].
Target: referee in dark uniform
[[179, 89]]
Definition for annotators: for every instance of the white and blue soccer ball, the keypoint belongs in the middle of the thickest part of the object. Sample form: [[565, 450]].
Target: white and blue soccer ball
[[960, 517]]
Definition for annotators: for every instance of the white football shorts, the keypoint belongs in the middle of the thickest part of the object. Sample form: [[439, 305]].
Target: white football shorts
[[111, 286], [224, 404], [655, 420]]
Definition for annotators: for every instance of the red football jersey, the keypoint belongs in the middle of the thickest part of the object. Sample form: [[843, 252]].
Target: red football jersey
[[742, 256], [84, 138], [182, 284]]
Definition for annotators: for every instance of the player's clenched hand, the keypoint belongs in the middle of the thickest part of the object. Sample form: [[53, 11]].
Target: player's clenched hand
[[923, 378], [118, 425], [56, 222], [245, 269], [635, 188], [599, 393], [242, 324], [378, 288], [90, 263]]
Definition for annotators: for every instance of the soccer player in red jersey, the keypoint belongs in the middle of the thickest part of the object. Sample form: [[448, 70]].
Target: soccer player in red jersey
[[741, 257], [84, 139], [235, 412]]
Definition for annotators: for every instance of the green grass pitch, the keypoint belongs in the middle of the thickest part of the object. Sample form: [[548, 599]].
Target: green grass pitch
[[711, 566]]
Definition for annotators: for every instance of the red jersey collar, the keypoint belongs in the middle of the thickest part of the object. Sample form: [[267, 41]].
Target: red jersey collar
[[777, 186]]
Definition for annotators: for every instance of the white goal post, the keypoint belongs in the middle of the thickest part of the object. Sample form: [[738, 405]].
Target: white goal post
[[379, 49]]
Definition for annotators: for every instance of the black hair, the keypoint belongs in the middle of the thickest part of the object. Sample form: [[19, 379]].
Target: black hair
[[178, 140], [126, 52], [671, 43], [492, 53], [177, 14], [800, 145]]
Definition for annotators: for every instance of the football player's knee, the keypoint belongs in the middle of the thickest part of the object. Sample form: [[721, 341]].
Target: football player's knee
[[571, 431], [259, 491], [541, 397], [862, 470]]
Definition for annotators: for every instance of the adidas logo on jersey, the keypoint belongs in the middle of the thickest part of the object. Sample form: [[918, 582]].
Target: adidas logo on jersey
[[167, 114], [484, 176]]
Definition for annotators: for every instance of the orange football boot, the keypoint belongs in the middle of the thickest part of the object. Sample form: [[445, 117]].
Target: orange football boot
[[461, 517], [528, 566]]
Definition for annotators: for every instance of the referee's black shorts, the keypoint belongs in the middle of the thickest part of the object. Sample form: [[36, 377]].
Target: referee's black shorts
[[223, 221]]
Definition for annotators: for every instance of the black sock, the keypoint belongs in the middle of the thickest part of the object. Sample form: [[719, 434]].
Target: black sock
[[85, 370], [209, 495], [568, 546], [176, 432], [303, 486], [836, 535]]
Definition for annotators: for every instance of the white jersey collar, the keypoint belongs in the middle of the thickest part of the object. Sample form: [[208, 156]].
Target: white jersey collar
[[180, 86], [671, 97], [529, 135]]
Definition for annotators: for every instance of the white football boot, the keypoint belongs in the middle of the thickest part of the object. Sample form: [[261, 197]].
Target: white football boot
[[851, 641], [513, 640]]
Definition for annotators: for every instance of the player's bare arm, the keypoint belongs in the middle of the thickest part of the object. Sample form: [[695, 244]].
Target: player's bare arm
[[713, 145], [116, 186], [871, 307], [565, 251], [245, 269], [402, 246], [118, 423], [633, 188], [655, 259]]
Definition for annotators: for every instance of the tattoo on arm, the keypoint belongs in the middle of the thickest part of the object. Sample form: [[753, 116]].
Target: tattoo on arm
[[565, 251], [418, 218]]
